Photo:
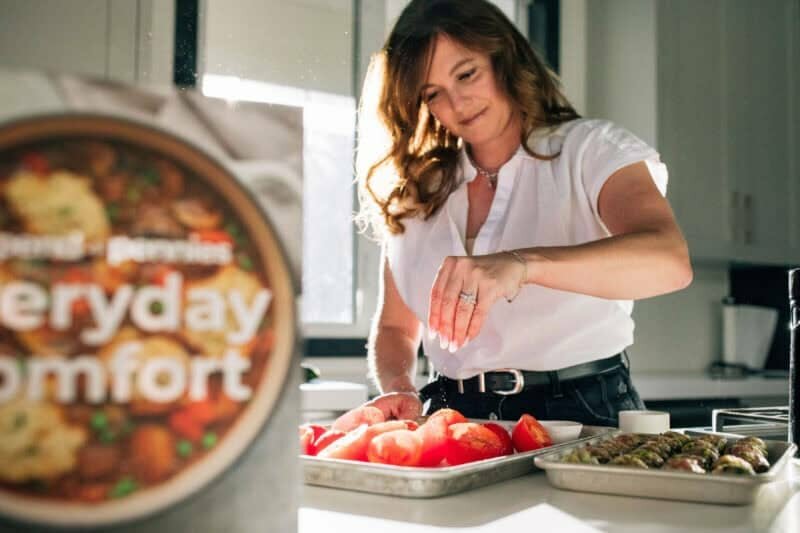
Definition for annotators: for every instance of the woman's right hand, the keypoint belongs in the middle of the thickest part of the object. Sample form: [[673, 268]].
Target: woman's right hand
[[464, 291]]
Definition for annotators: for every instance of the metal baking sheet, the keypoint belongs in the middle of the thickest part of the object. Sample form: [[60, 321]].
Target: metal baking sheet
[[663, 484], [418, 482]]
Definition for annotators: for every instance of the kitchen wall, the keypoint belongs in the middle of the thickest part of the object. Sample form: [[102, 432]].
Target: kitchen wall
[[681, 332], [611, 59]]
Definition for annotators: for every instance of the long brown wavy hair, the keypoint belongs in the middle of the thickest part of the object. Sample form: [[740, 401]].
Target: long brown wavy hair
[[417, 169]]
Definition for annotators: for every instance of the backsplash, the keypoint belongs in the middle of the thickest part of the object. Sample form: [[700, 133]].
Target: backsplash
[[682, 331]]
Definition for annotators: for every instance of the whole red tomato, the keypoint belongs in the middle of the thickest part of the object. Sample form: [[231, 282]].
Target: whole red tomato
[[503, 434], [469, 441], [528, 434], [400, 447]]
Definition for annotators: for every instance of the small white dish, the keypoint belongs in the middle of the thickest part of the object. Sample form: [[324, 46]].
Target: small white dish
[[562, 430], [644, 421]]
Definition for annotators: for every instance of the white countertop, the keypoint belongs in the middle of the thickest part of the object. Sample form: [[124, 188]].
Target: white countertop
[[529, 503], [327, 395], [661, 386]]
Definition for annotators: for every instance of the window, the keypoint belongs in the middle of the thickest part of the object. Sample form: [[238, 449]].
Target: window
[[300, 54], [319, 65]]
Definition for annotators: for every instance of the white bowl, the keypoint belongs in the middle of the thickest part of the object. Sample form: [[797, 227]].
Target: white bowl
[[644, 421], [562, 430]]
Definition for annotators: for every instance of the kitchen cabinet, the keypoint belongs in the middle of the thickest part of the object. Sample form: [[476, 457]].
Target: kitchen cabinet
[[725, 85], [720, 106], [120, 40], [756, 148], [690, 119]]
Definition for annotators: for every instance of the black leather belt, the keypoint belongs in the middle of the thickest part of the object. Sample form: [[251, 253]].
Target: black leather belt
[[507, 381]]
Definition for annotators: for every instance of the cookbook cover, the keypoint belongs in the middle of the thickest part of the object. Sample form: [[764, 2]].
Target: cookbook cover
[[148, 340]]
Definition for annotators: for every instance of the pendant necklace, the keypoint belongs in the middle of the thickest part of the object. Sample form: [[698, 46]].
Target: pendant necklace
[[490, 174]]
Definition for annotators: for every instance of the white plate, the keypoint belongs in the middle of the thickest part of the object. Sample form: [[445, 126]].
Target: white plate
[[562, 430]]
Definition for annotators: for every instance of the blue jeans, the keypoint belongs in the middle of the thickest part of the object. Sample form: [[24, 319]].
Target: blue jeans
[[593, 400]]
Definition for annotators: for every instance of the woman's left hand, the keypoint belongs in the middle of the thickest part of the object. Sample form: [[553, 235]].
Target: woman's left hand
[[465, 289]]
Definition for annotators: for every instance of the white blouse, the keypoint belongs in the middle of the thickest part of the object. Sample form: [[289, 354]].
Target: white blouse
[[536, 203]]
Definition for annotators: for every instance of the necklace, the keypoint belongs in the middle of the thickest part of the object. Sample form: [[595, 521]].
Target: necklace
[[490, 174]]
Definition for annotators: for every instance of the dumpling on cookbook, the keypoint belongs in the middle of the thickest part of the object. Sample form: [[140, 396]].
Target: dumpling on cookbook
[[229, 282], [141, 349], [36, 442], [57, 204]]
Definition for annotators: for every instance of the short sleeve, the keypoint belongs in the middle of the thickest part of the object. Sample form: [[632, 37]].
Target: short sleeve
[[603, 148]]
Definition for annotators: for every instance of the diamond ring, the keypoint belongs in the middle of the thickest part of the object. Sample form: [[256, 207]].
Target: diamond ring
[[468, 297]]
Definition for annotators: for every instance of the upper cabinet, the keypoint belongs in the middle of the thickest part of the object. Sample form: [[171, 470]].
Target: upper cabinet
[[757, 62], [722, 99], [689, 117], [120, 40]]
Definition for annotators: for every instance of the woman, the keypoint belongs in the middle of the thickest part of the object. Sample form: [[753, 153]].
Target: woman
[[515, 234]]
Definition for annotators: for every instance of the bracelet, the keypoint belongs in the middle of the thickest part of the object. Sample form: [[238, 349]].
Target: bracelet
[[515, 254]]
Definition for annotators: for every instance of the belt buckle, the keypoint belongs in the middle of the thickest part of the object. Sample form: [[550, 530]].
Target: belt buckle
[[519, 382], [481, 383]]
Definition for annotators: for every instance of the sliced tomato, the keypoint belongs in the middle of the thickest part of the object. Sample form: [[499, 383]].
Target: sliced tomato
[[528, 434], [434, 435], [363, 414], [434, 440], [324, 440], [469, 441], [450, 416], [411, 425], [401, 447], [317, 429], [504, 435], [354, 444], [350, 446], [309, 435], [306, 440]]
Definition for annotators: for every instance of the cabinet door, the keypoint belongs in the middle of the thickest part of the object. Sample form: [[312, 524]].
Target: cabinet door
[[691, 118], [794, 125], [756, 66], [120, 40]]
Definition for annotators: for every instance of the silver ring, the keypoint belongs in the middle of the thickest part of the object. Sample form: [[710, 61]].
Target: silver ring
[[468, 297]]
